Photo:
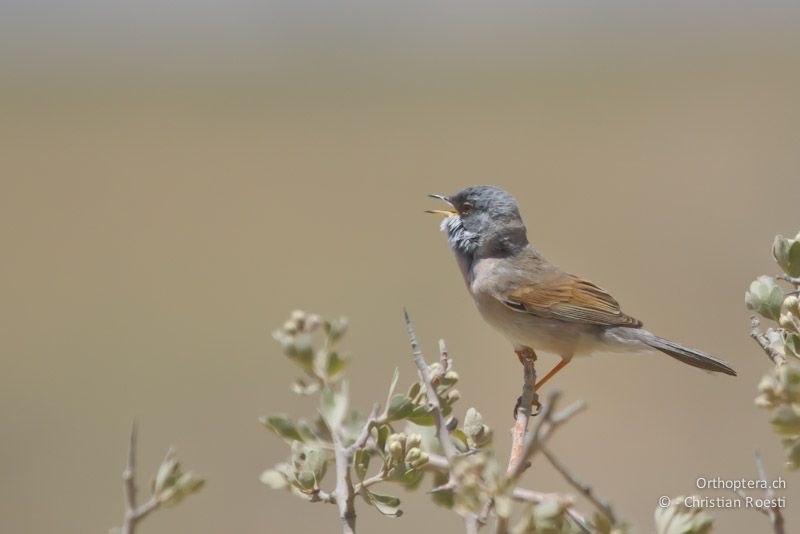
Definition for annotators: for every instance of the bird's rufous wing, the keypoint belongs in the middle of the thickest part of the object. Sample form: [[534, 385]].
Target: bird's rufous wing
[[568, 298]]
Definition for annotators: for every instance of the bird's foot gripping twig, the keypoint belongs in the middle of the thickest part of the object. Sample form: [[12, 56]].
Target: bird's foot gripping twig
[[525, 402]]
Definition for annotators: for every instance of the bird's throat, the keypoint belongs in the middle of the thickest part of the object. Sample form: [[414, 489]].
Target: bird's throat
[[463, 243]]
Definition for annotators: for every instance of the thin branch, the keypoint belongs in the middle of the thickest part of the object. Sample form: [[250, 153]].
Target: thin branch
[[367, 482], [363, 436], [773, 512], [472, 523], [442, 433], [795, 281], [519, 433], [547, 425], [535, 440], [544, 430], [761, 338], [535, 497], [579, 520], [345, 495], [501, 524], [583, 489], [528, 359], [133, 513], [524, 445], [565, 414], [323, 496], [439, 463], [444, 359], [129, 484], [483, 517]]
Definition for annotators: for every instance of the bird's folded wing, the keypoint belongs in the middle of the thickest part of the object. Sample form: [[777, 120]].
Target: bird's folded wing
[[568, 298]]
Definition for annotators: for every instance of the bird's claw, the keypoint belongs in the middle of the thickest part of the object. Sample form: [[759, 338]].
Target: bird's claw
[[536, 406]]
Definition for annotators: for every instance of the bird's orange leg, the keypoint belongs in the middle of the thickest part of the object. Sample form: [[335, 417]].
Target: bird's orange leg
[[563, 363]]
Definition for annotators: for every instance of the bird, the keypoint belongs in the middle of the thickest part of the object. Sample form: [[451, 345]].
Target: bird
[[534, 303]]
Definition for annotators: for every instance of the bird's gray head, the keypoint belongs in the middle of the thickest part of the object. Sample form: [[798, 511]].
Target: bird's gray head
[[483, 221]]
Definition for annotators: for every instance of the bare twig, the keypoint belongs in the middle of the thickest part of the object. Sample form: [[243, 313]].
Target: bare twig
[[535, 440], [584, 489], [367, 482], [129, 483], [773, 512], [442, 433], [524, 444], [535, 497], [133, 513], [517, 459], [323, 496], [760, 338], [562, 416], [528, 359], [548, 423], [501, 524], [444, 359], [362, 438], [483, 517], [345, 493], [472, 523], [439, 463], [795, 281]]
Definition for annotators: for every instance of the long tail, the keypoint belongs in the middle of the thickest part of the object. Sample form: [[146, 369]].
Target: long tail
[[689, 356]]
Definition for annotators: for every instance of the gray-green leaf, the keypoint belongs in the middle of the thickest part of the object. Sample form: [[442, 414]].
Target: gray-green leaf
[[787, 254], [335, 329], [393, 384], [793, 344], [383, 433], [400, 407], [678, 518], [792, 446], [785, 419], [386, 504], [336, 364], [765, 297], [422, 415], [275, 478], [300, 387], [333, 406], [361, 463], [477, 432], [282, 425]]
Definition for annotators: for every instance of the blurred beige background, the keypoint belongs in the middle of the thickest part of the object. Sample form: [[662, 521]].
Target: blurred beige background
[[177, 178]]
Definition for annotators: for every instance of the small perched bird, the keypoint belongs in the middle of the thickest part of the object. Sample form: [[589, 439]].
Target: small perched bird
[[532, 302]]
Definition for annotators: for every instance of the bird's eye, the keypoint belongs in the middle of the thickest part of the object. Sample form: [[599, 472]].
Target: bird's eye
[[466, 208]]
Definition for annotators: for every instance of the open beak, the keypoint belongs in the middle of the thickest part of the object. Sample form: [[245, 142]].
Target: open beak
[[443, 213]]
